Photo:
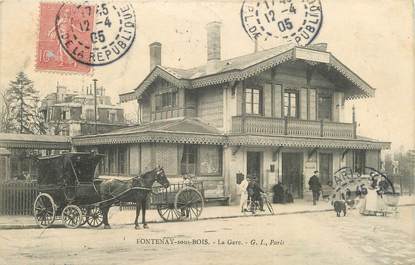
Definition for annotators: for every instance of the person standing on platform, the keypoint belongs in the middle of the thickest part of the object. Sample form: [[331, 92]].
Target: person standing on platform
[[315, 186], [244, 193]]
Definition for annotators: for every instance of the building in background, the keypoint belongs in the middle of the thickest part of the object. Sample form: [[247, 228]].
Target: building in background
[[73, 113], [18, 153], [275, 114]]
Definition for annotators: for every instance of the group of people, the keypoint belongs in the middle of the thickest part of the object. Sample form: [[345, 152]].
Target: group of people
[[368, 199], [251, 190], [281, 194], [371, 198]]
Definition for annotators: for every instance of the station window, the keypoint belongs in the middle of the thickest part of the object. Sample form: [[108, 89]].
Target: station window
[[65, 115], [253, 100], [203, 160], [325, 103], [189, 158], [291, 104], [90, 114], [166, 100], [359, 159], [122, 160]]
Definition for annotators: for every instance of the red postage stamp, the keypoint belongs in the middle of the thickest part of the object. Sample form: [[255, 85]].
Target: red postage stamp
[[51, 55], [76, 37]]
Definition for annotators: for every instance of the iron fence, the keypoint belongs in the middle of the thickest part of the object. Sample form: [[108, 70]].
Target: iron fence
[[17, 197]]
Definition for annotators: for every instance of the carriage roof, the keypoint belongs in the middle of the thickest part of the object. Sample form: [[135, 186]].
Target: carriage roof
[[68, 168]]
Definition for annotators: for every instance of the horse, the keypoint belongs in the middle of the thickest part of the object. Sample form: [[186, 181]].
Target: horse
[[135, 190]]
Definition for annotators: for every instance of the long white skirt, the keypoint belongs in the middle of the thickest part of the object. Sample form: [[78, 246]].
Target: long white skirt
[[244, 197], [372, 203]]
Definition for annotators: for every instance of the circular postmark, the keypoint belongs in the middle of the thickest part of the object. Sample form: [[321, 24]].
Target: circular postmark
[[96, 34], [282, 21]]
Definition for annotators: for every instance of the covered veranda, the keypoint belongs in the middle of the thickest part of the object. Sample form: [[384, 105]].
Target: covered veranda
[[18, 152]]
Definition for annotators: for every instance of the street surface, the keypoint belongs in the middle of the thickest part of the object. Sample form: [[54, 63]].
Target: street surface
[[314, 238]]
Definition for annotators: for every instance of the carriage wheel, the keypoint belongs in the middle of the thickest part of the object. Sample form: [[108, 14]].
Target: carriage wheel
[[167, 212], [44, 210], [189, 203], [95, 217], [72, 216]]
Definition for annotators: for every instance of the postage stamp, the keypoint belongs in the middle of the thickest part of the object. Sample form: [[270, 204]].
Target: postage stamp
[[282, 21], [74, 37], [51, 55], [96, 35]]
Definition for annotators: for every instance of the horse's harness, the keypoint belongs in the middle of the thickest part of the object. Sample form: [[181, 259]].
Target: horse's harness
[[137, 183]]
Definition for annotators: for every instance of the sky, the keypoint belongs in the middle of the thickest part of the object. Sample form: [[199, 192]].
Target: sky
[[374, 38]]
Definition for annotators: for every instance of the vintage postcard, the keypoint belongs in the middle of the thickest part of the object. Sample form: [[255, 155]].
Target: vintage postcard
[[207, 132]]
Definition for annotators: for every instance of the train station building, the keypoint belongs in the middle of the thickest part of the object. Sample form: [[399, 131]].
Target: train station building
[[277, 115]]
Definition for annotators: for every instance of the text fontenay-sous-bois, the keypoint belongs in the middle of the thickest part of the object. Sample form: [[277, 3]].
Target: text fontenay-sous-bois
[[207, 242]]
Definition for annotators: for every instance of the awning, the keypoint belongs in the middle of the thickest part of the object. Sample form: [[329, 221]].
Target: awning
[[32, 141], [307, 142], [185, 131]]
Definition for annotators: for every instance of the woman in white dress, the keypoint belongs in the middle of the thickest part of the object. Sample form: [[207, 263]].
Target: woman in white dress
[[373, 203], [244, 193]]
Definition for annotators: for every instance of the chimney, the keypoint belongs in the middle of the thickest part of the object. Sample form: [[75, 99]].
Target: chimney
[[61, 92], [319, 46], [155, 54], [213, 41]]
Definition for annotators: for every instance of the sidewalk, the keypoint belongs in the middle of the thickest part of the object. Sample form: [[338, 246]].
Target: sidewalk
[[126, 217]]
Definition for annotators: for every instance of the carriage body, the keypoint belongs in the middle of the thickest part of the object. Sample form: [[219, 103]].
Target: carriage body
[[66, 184], [180, 201]]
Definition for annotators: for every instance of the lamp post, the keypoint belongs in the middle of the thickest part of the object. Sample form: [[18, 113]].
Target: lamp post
[[95, 104]]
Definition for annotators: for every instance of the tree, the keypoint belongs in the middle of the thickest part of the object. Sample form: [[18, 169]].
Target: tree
[[4, 113], [23, 100]]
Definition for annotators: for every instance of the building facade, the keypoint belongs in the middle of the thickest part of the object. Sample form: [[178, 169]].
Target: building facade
[[276, 115], [73, 113]]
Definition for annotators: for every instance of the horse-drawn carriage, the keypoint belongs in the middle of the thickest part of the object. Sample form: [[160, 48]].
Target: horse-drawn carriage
[[70, 191], [373, 193]]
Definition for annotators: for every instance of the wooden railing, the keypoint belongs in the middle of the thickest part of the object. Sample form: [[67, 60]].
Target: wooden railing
[[293, 127]]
